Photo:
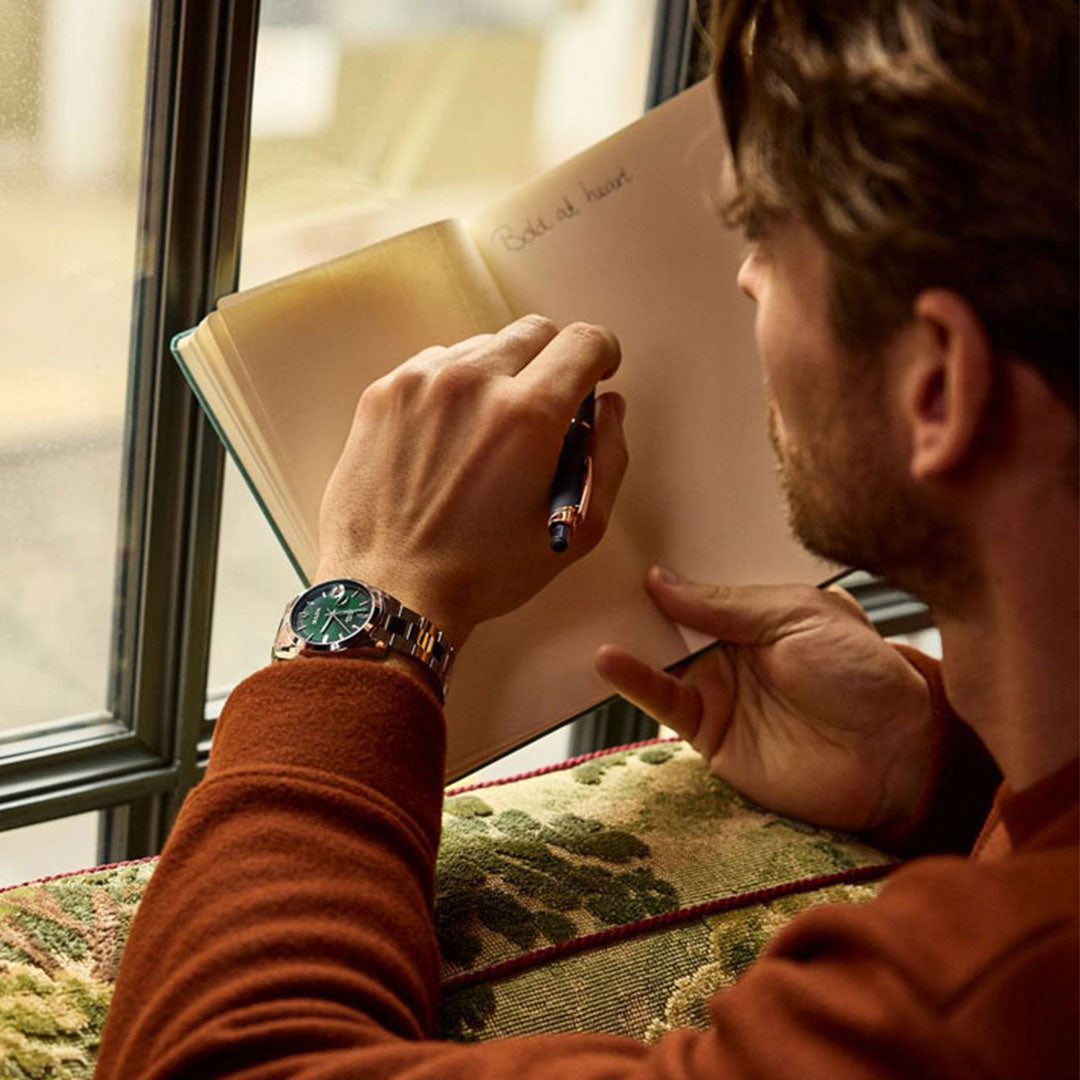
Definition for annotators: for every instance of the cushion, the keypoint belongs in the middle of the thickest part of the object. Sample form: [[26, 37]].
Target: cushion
[[615, 892]]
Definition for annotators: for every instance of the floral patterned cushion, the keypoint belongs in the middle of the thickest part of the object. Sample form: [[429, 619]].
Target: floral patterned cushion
[[636, 869]]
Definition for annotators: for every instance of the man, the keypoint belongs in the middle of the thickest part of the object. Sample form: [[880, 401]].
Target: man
[[908, 177]]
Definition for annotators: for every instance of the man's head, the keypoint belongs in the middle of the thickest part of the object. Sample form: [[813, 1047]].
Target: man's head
[[924, 152]]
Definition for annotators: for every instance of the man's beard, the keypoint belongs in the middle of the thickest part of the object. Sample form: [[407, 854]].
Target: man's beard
[[851, 505]]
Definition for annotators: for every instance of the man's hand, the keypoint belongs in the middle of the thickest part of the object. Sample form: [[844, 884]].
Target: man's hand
[[802, 705], [440, 495]]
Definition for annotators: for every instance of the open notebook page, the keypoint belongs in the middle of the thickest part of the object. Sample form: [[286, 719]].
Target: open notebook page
[[628, 234]]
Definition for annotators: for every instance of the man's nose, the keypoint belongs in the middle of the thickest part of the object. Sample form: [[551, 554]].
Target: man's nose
[[746, 277]]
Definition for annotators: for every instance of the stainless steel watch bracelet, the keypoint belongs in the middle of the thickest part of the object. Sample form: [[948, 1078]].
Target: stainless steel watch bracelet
[[407, 631]]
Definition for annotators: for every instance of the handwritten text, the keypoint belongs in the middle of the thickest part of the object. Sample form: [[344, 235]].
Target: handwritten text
[[519, 236]]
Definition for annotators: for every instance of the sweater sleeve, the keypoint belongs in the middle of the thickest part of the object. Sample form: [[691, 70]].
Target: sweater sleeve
[[960, 781], [287, 930]]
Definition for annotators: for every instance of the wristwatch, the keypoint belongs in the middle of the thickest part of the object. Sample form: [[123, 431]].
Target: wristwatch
[[337, 617]]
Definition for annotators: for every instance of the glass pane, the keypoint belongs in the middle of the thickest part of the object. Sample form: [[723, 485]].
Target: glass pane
[[254, 582], [53, 847], [927, 641], [369, 119], [71, 97]]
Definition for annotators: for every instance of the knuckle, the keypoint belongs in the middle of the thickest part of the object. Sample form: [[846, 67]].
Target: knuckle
[[404, 380], [430, 354], [501, 409], [456, 381], [538, 324], [528, 334], [530, 412], [504, 410], [593, 338], [374, 395], [409, 378]]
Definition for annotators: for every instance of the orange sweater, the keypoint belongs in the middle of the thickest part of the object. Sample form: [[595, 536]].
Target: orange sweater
[[287, 930]]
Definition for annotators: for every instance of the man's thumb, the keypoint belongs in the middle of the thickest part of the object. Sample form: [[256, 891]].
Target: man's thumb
[[742, 614]]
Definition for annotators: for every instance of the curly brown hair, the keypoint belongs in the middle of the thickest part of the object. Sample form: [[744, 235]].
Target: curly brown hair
[[928, 143]]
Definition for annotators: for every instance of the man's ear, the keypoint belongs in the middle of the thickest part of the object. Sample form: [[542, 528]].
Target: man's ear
[[947, 382]]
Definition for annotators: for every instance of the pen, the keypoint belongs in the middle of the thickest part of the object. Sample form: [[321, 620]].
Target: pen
[[572, 485]]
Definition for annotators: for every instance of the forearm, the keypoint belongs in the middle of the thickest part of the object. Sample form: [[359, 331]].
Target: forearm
[[293, 901]]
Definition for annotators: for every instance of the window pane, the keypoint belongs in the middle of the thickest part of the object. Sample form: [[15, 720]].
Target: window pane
[[369, 119], [53, 847], [927, 641], [71, 92]]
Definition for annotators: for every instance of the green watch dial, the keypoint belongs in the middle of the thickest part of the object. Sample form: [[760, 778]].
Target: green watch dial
[[332, 612]]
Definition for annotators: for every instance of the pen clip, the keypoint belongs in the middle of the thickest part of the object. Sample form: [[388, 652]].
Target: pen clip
[[572, 516], [582, 507]]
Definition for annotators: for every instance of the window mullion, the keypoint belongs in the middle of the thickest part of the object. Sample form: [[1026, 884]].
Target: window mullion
[[195, 163]]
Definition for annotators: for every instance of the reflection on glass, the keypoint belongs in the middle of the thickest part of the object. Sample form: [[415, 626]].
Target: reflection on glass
[[71, 90], [369, 119]]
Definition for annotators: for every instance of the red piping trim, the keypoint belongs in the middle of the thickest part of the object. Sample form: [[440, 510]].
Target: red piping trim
[[515, 964], [76, 873], [568, 764]]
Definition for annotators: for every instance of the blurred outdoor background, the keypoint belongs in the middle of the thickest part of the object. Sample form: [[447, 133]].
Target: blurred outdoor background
[[369, 117]]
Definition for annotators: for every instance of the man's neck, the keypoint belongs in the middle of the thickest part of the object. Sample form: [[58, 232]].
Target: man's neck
[[1011, 660]]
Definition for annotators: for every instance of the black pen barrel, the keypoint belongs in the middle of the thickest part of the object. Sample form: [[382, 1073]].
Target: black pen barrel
[[569, 480]]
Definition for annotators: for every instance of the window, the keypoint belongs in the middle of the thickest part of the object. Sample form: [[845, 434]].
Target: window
[[124, 135], [71, 108]]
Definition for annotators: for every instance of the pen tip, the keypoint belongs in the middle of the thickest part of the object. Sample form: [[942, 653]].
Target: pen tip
[[559, 536]]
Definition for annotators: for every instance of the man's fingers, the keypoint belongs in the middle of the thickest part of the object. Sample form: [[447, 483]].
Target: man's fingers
[[464, 348], [437, 356], [514, 346], [744, 614], [572, 363], [610, 458], [669, 701]]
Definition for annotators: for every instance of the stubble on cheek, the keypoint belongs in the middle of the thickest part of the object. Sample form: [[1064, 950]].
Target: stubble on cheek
[[781, 456], [807, 479]]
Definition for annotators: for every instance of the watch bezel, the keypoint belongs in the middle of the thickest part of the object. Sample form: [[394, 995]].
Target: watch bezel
[[359, 637]]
